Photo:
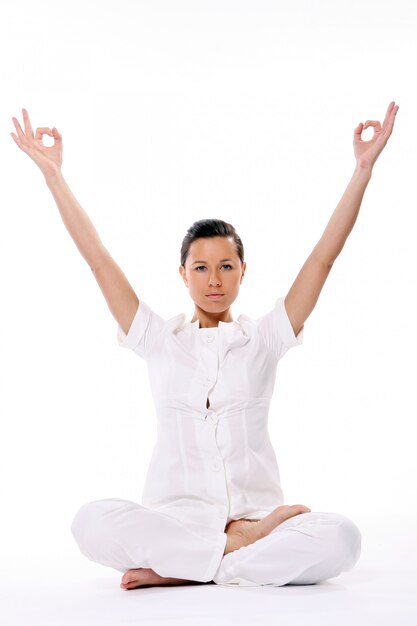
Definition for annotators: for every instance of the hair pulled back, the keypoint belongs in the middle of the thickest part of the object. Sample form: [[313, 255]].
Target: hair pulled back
[[210, 228]]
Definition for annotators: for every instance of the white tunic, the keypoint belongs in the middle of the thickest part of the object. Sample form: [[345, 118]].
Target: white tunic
[[212, 465]]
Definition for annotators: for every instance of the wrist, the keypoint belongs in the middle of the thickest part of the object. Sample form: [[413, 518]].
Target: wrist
[[52, 178], [364, 171]]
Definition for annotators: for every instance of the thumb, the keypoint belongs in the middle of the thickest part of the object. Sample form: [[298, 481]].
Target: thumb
[[357, 132], [56, 134]]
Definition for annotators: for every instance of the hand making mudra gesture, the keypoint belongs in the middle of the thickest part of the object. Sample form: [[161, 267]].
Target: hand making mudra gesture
[[240, 532], [49, 158]]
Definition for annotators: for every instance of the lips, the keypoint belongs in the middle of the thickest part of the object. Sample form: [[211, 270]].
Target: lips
[[215, 296]]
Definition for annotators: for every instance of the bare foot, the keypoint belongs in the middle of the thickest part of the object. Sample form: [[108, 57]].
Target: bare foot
[[146, 576], [244, 532]]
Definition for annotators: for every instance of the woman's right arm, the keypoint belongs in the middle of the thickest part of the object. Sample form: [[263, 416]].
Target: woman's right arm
[[119, 294]]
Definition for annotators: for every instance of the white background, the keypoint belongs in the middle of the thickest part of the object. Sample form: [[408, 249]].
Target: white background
[[172, 112]]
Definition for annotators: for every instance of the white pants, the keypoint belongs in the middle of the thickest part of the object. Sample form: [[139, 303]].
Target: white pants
[[303, 550]]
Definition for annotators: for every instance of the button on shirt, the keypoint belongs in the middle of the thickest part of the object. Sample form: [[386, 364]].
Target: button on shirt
[[212, 465]]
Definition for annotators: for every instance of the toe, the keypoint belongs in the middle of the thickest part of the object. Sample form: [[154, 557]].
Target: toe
[[128, 576]]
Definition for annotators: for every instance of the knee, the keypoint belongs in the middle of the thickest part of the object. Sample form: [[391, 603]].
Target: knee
[[88, 526], [82, 526], [350, 541]]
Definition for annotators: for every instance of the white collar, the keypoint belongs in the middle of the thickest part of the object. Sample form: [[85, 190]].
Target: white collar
[[223, 325], [234, 327], [179, 323]]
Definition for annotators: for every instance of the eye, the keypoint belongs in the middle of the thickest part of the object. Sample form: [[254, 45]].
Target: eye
[[224, 265]]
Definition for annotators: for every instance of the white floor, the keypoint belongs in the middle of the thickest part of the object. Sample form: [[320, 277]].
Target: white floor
[[70, 590]]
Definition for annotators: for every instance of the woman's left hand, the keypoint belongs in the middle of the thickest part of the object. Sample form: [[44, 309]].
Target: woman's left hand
[[367, 152]]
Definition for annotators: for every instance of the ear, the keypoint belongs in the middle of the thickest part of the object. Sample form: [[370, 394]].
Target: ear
[[182, 272]]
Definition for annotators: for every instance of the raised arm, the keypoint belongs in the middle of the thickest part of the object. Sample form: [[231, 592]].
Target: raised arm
[[119, 294], [304, 292]]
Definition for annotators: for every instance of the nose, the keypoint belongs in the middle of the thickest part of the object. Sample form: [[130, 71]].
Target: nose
[[214, 280]]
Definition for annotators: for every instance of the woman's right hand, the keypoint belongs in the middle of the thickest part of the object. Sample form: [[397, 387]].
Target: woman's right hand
[[47, 158]]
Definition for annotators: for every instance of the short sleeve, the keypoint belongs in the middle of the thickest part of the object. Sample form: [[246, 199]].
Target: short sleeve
[[144, 329], [276, 330]]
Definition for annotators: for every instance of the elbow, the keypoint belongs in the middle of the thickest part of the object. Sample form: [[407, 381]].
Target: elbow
[[325, 260]]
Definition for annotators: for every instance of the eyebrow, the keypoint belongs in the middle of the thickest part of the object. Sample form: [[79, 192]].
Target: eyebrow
[[221, 261]]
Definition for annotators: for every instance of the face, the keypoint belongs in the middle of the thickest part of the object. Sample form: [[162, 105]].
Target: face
[[213, 266]]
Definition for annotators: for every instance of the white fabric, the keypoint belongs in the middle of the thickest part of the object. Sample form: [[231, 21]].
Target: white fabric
[[124, 535], [210, 466], [305, 549]]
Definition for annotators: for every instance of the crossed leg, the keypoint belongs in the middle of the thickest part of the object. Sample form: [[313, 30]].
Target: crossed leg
[[303, 550], [239, 533], [299, 548]]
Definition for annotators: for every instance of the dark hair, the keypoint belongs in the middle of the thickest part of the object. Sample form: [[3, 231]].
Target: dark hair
[[210, 228]]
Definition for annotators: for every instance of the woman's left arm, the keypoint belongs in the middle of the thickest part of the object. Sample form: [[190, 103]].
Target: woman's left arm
[[304, 292]]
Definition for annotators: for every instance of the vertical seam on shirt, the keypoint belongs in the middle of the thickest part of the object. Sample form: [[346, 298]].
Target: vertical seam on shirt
[[246, 456], [185, 472]]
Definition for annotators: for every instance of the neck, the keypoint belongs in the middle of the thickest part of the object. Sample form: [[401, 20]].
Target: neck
[[208, 321]]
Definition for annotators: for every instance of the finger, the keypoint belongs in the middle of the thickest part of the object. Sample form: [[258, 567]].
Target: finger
[[56, 134], [42, 130], [358, 132], [374, 123], [21, 142], [16, 138], [388, 123], [19, 130], [391, 120], [28, 126], [388, 114]]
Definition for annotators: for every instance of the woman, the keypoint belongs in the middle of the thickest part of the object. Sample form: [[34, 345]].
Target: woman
[[213, 484]]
